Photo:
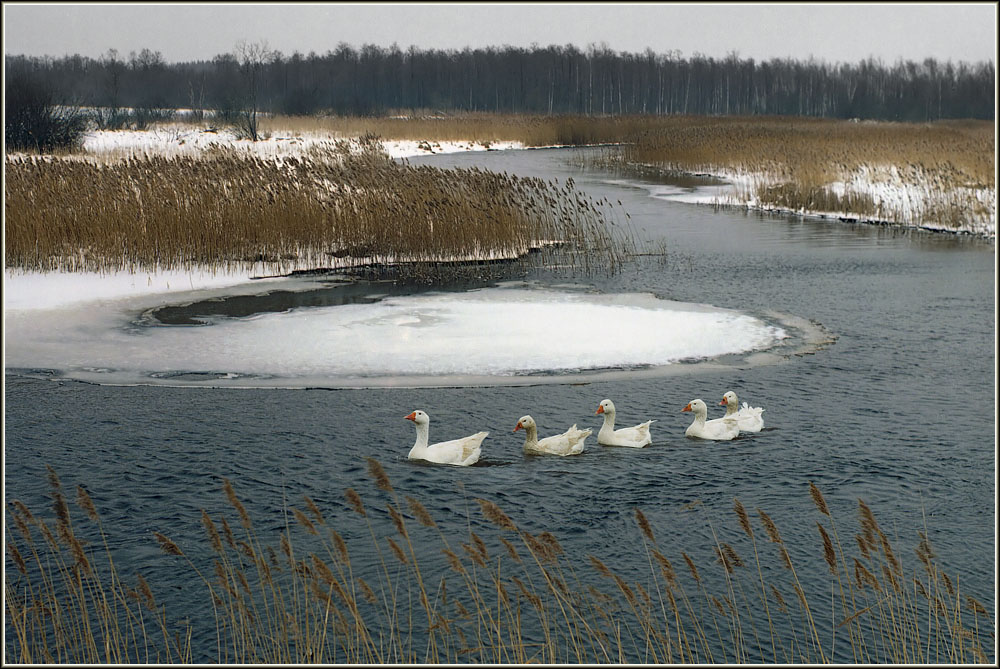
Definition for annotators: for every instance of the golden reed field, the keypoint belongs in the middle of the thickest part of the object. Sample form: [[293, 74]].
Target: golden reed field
[[224, 208]]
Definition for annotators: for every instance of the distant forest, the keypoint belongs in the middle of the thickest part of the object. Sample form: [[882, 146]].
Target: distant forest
[[540, 80]]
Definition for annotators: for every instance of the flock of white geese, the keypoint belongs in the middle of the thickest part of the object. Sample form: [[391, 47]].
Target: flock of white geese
[[465, 451]]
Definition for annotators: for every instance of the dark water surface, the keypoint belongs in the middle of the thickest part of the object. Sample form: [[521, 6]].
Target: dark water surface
[[899, 411]]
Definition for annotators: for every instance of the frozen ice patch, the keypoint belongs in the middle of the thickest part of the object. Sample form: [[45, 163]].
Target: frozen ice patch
[[491, 335]]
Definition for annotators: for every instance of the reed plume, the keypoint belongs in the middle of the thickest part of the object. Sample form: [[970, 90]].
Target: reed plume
[[314, 605]]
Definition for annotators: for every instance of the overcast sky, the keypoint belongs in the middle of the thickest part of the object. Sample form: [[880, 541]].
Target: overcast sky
[[829, 32]]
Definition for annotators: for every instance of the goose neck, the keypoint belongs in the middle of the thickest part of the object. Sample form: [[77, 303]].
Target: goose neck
[[609, 420], [423, 433], [531, 435]]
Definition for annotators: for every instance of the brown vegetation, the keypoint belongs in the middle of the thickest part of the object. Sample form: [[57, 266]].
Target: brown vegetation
[[945, 170], [226, 209], [297, 597]]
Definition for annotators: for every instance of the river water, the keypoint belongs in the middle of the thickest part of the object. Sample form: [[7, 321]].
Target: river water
[[875, 366]]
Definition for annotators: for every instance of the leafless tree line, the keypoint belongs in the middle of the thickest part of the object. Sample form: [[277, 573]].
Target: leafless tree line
[[537, 80]]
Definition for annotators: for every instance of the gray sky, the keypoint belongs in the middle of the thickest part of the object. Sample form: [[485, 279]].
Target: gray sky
[[829, 32]]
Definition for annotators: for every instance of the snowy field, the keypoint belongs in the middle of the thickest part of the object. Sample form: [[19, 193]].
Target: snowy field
[[181, 140]]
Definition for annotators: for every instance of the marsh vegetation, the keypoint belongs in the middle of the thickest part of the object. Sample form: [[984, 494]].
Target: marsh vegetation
[[501, 594], [332, 206], [225, 208], [905, 173], [938, 174]]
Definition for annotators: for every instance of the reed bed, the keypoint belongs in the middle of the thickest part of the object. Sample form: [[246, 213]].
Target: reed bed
[[931, 174], [501, 594], [938, 175], [328, 208]]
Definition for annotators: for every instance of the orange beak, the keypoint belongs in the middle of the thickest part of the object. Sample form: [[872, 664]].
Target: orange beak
[[412, 416], [600, 409], [724, 402], [687, 407], [517, 427]]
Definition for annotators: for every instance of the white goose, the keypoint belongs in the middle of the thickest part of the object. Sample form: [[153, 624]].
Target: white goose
[[747, 417], [462, 452], [569, 442], [720, 429], [633, 437]]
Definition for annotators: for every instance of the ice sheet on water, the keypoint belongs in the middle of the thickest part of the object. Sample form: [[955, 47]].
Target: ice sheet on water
[[492, 332]]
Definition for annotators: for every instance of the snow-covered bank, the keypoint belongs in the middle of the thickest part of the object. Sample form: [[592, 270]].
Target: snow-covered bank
[[909, 202], [908, 199], [186, 140]]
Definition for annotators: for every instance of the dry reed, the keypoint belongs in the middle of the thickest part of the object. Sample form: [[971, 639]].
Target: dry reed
[[945, 170], [329, 208], [540, 605]]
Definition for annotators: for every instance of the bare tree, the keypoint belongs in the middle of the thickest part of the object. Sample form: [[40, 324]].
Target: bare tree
[[252, 58], [111, 115]]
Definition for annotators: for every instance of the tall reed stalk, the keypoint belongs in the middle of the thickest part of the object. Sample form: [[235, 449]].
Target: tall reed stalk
[[925, 174], [330, 208], [501, 594]]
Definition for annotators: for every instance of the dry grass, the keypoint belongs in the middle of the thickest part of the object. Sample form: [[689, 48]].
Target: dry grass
[[508, 596], [68, 603], [328, 208], [946, 170], [924, 174]]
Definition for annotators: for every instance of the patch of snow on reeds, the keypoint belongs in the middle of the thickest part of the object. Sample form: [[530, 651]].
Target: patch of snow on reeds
[[912, 200], [185, 140]]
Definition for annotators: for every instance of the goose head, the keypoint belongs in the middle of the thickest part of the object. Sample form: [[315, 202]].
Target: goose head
[[606, 406], [419, 417], [698, 407], [525, 423], [729, 399]]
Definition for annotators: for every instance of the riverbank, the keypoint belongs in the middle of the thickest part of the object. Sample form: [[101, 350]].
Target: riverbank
[[885, 187], [154, 201], [936, 177], [903, 195]]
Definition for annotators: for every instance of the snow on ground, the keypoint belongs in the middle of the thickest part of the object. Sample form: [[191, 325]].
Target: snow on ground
[[185, 140], [904, 199], [404, 148], [901, 200]]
